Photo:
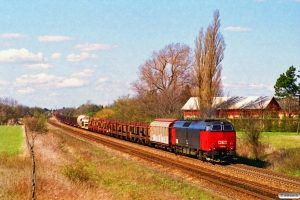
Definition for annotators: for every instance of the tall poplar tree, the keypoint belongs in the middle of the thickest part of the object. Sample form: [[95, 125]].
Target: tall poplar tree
[[207, 68]]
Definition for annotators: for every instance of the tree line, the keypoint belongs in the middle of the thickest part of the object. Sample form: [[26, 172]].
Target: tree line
[[12, 113]]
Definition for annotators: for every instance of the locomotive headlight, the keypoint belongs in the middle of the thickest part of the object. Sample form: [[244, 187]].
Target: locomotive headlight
[[231, 148]]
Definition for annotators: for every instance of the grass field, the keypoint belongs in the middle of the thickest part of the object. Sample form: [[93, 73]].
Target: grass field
[[11, 139], [279, 140]]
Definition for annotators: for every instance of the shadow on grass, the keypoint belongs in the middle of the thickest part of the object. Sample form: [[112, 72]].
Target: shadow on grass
[[249, 161]]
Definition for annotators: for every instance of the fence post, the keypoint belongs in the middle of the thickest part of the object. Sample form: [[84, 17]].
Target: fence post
[[33, 179]]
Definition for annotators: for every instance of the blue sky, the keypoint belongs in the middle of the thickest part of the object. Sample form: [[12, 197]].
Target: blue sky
[[56, 54]]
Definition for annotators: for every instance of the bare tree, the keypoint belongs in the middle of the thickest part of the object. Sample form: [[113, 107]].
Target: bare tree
[[289, 104], [164, 76], [207, 66], [9, 112]]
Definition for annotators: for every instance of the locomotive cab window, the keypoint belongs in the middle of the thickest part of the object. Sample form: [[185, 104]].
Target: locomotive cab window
[[228, 127], [187, 124], [216, 127]]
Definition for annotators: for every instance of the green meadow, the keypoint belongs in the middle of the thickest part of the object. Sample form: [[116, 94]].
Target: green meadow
[[11, 139], [278, 140]]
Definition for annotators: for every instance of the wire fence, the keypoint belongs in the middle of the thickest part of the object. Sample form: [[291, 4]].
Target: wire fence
[[33, 176]]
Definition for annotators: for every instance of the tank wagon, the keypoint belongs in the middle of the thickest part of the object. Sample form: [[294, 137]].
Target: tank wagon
[[208, 140], [83, 121]]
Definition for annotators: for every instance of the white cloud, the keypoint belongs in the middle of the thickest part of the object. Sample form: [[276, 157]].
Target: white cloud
[[56, 55], [102, 80], [83, 56], [12, 35], [56, 38], [84, 73], [71, 82], [48, 81], [94, 47], [4, 83], [248, 89], [112, 86], [21, 55], [37, 79], [54, 94], [261, 86], [28, 90], [237, 29], [38, 66]]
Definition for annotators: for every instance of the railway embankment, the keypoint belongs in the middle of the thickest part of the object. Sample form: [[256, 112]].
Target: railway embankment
[[242, 185]]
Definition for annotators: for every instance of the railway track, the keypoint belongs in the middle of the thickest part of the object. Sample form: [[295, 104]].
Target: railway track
[[228, 183], [286, 182]]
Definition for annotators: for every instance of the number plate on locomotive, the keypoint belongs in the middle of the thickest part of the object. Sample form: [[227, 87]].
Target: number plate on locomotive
[[222, 142]]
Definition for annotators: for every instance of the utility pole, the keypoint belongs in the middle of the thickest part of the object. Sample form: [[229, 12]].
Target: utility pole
[[298, 95]]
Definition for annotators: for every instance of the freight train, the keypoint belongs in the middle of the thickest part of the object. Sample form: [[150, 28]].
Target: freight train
[[209, 139]]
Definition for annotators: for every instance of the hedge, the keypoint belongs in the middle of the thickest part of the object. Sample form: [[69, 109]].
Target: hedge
[[271, 125]]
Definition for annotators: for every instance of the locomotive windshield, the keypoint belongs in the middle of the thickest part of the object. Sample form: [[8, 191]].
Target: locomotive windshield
[[228, 127], [187, 124], [218, 127]]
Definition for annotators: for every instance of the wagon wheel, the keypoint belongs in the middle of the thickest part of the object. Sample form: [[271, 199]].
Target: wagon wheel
[[176, 151], [200, 156]]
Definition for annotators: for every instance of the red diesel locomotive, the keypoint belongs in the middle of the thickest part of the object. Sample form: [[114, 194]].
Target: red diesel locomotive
[[207, 139], [210, 139]]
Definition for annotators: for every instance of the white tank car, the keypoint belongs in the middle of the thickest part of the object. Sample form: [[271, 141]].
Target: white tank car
[[83, 121]]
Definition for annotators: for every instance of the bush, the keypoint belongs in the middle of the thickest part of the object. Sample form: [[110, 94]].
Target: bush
[[36, 124], [252, 129], [79, 172], [291, 162]]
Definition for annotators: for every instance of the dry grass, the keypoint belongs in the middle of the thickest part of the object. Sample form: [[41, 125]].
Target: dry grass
[[15, 176], [68, 168], [286, 161], [246, 150], [54, 154]]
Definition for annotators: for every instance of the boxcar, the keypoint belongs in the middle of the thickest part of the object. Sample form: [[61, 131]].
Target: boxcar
[[162, 134]]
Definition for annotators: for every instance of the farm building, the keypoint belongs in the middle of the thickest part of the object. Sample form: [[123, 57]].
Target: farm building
[[235, 106]]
